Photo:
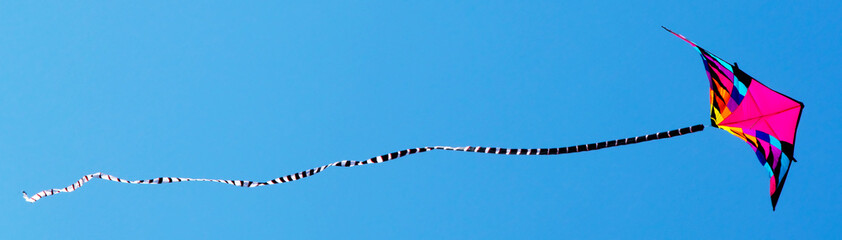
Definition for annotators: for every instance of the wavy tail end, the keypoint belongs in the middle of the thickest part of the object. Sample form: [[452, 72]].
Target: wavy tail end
[[25, 197]]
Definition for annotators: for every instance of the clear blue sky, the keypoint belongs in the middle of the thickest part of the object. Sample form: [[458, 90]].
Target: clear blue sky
[[262, 89]]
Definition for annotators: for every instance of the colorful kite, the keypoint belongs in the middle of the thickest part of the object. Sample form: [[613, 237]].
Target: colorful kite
[[763, 118]]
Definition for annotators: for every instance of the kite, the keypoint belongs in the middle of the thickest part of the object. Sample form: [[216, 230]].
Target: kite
[[764, 118]]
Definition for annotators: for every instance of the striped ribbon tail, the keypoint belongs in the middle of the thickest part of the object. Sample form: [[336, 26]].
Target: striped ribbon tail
[[378, 159], [578, 148]]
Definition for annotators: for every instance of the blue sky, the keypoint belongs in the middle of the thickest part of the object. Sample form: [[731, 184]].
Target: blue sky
[[262, 89]]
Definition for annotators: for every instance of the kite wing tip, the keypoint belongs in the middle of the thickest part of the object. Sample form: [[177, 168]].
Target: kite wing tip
[[670, 30], [680, 36]]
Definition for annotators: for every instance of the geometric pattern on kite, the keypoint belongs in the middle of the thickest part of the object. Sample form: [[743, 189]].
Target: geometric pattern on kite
[[378, 159], [764, 118]]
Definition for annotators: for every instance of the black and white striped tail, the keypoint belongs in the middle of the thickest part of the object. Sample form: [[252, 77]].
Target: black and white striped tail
[[379, 159]]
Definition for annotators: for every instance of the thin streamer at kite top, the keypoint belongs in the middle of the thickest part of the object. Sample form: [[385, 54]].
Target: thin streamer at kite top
[[765, 119]]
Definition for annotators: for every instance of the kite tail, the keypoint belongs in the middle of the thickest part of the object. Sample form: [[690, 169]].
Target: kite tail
[[378, 159], [577, 148]]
